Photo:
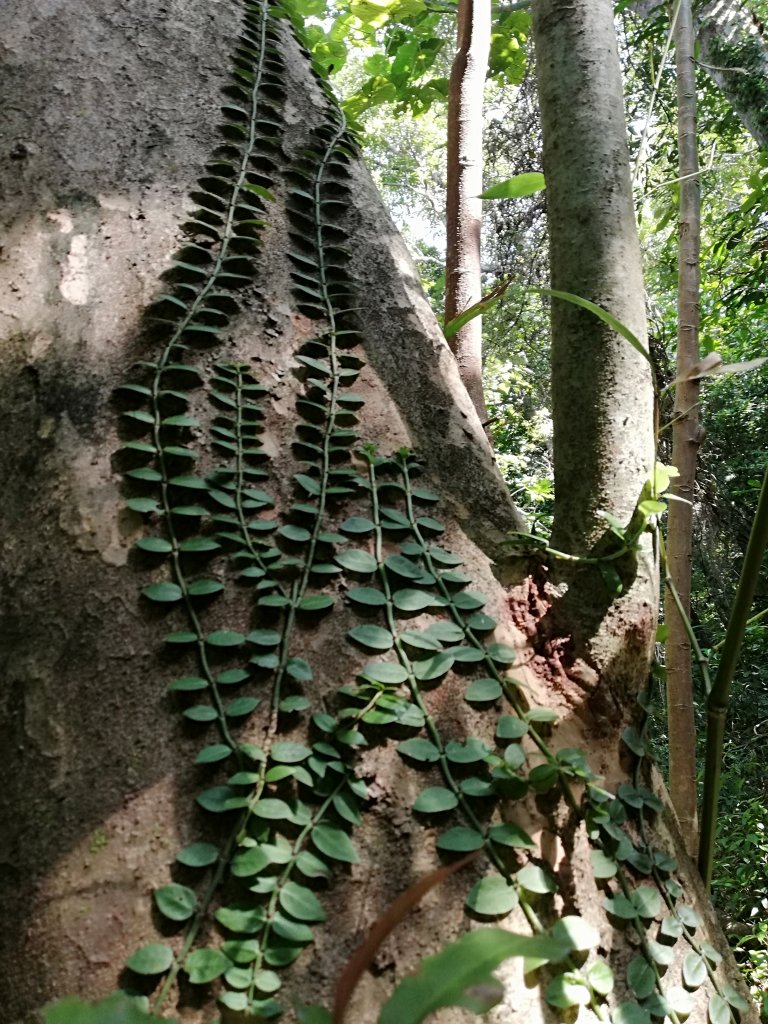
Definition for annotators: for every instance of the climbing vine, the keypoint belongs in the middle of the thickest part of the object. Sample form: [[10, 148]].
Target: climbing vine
[[286, 789]]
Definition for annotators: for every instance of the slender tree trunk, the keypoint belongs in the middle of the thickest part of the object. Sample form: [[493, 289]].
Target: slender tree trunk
[[465, 183], [686, 437], [235, 801], [601, 387]]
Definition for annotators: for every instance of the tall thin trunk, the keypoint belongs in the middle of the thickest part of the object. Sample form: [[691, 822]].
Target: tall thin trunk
[[601, 387], [465, 183], [686, 437]]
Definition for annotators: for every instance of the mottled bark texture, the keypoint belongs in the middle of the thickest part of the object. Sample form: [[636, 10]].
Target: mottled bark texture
[[110, 119], [463, 286], [732, 51], [686, 437]]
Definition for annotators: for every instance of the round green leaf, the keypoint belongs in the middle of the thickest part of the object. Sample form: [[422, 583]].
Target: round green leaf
[[502, 653], [295, 703], [152, 959], [568, 989], [176, 902], [198, 855], [205, 965], [600, 978], [535, 879], [492, 896], [245, 920], [484, 690], [694, 970], [576, 933], [510, 727], [435, 799]]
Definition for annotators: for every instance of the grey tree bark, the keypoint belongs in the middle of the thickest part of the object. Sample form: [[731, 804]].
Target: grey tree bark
[[110, 123], [733, 52]]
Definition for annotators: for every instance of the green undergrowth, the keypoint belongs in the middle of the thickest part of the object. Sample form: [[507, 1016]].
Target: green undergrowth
[[284, 793]]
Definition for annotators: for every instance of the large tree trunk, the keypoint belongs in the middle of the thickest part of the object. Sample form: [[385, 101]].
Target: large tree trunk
[[111, 127], [734, 53]]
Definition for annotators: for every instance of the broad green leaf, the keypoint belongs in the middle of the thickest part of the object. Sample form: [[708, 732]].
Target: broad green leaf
[[630, 1013], [355, 560], [334, 844], [300, 902], [205, 965], [435, 799], [367, 596], [568, 989], [510, 727], [470, 751], [419, 750], [375, 637], [315, 603], [313, 1015], [198, 855], [489, 689], [492, 896], [433, 668], [535, 879], [176, 902], [603, 866], [117, 1009], [409, 600], [245, 920], [289, 752], [576, 933], [694, 970], [600, 977], [224, 638], [213, 753], [152, 959], [163, 593], [387, 672], [460, 839], [641, 977], [517, 187], [444, 979]]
